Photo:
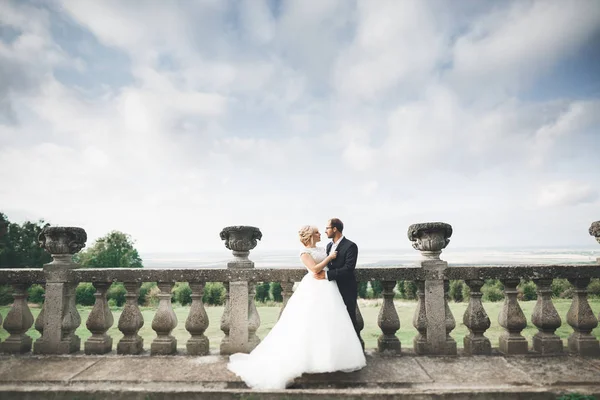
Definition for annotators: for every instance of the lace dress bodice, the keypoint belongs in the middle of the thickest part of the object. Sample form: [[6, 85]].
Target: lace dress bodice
[[317, 253]]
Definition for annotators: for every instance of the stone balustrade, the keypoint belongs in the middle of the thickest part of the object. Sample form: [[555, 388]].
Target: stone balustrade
[[433, 318]]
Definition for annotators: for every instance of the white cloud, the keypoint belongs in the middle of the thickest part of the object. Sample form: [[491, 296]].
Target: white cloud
[[383, 114], [566, 193]]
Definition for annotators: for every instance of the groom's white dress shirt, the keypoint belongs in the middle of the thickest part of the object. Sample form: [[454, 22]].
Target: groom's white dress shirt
[[333, 247]]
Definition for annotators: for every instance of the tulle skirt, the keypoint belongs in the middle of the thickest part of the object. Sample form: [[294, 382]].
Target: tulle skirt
[[313, 335]]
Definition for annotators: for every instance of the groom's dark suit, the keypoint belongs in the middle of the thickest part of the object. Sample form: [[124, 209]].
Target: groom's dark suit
[[341, 270]]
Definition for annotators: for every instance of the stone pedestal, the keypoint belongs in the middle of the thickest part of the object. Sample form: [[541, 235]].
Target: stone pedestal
[[164, 322], [546, 319], [512, 319], [99, 322], [18, 321]]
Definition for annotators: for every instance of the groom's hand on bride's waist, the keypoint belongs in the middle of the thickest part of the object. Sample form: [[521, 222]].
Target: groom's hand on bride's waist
[[320, 275]]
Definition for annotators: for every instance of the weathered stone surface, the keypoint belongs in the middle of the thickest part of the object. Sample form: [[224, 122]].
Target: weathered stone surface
[[164, 322], [253, 318], [473, 370], [595, 230], [99, 321], [240, 240], [197, 322], [513, 320], [131, 321], [546, 319], [58, 240], [582, 319], [388, 321], [17, 322], [476, 319], [237, 338], [48, 368], [557, 370], [420, 321], [430, 238]]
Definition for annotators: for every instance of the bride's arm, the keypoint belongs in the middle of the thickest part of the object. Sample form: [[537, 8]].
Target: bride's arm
[[314, 267]]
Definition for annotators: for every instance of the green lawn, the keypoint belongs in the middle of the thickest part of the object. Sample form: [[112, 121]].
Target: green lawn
[[370, 310]]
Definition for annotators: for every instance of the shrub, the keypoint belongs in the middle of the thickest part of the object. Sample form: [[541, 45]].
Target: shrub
[[117, 293], [410, 290], [84, 294], [214, 294], [6, 297], [152, 296], [527, 291], [456, 290], [492, 293], [362, 290], [262, 292], [36, 294], [182, 293], [144, 290], [112, 303], [276, 290], [562, 288], [400, 294], [594, 288], [377, 288]]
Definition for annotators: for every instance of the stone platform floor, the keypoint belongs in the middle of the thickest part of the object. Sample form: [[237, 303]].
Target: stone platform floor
[[385, 377]]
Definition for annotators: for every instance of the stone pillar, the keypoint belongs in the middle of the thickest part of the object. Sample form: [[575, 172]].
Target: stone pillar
[[512, 319], [240, 318], [477, 321], [197, 322], [420, 321], [430, 238], [595, 232], [164, 322], [286, 292], [546, 319], [99, 321], [61, 318], [388, 321], [253, 318], [18, 321], [450, 322], [131, 321], [582, 319]]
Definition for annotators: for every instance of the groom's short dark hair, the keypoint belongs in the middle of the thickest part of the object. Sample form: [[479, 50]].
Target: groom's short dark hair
[[337, 223]]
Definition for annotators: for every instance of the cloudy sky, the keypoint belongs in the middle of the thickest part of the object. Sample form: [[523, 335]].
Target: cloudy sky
[[173, 119]]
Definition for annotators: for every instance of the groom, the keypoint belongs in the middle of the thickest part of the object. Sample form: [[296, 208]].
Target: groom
[[341, 269]]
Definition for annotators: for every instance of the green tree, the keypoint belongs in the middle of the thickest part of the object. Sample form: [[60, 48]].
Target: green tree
[[115, 250], [19, 247]]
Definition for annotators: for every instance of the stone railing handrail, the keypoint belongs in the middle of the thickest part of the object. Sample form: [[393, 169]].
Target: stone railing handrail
[[389, 273]]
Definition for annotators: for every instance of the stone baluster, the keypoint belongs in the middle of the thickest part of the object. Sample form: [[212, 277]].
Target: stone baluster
[[420, 321], [197, 322], [477, 321], [253, 318], [225, 321], [582, 320], [513, 320], [286, 292], [546, 319], [388, 321], [449, 321], [99, 322], [360, 324], [131, 321], [164, 322], [430, 238], [17, 322], [61, 318], [240, 319], [595, 232]]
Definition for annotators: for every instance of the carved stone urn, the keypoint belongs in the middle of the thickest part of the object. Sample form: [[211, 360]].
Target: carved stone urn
[[430, 238], [62, 242], [595, 230], [240, 240]]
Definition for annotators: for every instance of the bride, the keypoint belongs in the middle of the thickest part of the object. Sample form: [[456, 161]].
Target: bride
[[314, 333]]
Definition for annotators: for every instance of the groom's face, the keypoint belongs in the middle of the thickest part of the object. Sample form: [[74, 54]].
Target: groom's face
[[329, 230]]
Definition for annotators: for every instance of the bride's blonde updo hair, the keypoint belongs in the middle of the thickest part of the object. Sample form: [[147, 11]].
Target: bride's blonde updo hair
[[306, 235]]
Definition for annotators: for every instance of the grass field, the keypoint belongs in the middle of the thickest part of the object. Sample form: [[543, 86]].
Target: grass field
[[369, 309]]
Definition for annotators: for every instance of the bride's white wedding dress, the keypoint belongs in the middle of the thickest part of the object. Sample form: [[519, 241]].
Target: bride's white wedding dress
[[314, 334]]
